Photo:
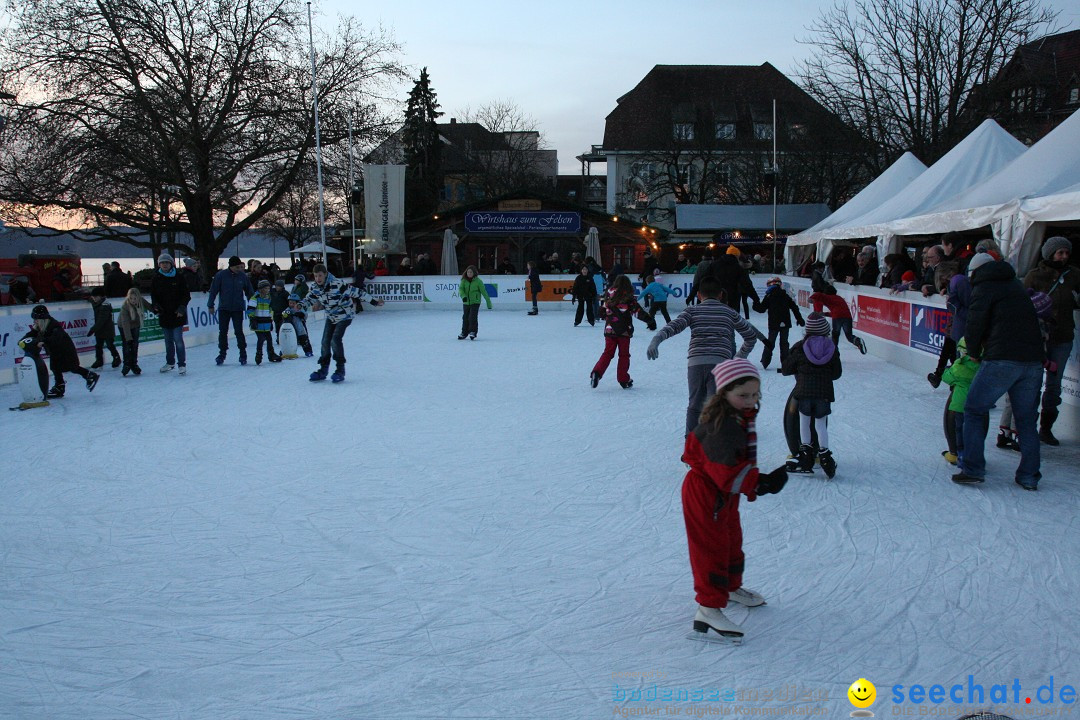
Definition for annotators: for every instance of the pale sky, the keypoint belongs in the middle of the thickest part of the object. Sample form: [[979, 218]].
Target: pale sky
[[564, 62]]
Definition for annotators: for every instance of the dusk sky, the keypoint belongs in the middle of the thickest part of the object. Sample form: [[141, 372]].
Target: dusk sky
[[565, 62]]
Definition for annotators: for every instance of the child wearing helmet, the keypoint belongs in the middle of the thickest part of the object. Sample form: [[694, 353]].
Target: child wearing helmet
[[297, 317]]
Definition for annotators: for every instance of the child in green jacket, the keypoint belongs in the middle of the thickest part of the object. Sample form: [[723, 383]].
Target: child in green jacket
[[472, 291], [958, 376]]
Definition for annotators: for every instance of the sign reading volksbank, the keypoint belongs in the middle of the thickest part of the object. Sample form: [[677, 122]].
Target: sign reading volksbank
[[564, 222], [396, 291]]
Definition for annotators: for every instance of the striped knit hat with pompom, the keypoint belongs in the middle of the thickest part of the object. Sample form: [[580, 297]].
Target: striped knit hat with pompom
[[817, 324]]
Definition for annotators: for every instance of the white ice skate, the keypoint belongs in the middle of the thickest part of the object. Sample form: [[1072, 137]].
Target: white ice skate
[[746, 597], [723, 630], [167, 368]]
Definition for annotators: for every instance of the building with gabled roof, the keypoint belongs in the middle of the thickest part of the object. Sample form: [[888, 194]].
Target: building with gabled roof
[[703, 134], [1035, 91]]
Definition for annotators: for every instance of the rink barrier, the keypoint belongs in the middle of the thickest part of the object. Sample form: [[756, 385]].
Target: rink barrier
[[430, 292], [78, 317], [908, 330]]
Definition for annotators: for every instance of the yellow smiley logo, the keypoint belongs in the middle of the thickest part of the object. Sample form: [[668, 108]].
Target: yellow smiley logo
[[862, 693]]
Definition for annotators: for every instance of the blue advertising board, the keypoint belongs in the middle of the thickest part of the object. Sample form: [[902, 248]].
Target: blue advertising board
[[929, 327], [508, 222]]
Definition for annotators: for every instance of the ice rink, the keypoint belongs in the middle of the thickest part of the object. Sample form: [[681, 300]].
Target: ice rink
[[467, 530]]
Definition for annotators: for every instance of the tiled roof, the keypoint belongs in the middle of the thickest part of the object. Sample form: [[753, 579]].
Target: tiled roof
[[669, 94]]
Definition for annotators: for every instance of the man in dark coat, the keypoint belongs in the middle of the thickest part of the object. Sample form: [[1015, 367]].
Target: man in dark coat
[[235, 288], [117, 282], [47, 333], [1003, 334]]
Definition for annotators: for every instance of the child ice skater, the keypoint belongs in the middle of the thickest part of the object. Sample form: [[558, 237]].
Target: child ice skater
[[958, 376], [584, 294], [45, 333], [779, 306], [619, 310], [840, 313], [261, 316], [295, 316], [131, 320], [659, 294], [722, 455], [712, 328], [815, 363], [103, 330]]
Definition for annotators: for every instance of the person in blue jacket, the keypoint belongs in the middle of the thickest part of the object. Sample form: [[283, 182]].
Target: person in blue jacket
[[659, 295], [234, 287]]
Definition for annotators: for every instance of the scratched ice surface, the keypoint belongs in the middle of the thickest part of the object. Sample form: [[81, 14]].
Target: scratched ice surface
[[467, 530]]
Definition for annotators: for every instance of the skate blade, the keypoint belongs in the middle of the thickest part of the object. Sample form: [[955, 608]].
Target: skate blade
[[701, 633]]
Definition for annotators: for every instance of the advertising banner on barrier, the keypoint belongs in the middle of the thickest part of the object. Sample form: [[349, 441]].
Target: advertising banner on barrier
[[403, 290], [884, 318], [929, 327], [441, 290]]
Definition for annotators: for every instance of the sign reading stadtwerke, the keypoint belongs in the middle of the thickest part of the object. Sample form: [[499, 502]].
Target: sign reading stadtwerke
[[563, 222]]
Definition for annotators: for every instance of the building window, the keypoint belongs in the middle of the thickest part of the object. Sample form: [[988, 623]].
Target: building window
[[624, 255], [762, 131], [1074, 95], [725, 131], [719, 173], [684, 131], [796, 130], [485, 257]]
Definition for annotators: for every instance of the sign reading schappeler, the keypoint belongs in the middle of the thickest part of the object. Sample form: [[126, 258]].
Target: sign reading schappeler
[[563, 222]]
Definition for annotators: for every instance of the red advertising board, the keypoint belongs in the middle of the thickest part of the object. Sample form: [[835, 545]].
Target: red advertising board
[[884, 318]]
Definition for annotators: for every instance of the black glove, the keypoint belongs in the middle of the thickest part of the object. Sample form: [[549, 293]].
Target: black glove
[[773, 482], [802, 323]]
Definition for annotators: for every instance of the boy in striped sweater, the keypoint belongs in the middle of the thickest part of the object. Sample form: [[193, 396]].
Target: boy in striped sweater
[[712, 327]]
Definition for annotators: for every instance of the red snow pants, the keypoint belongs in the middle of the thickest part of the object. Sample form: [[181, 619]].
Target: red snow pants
[[622, 370], [714, 535]]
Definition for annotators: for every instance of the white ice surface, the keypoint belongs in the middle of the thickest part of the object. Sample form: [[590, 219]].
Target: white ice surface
[[467, 530]]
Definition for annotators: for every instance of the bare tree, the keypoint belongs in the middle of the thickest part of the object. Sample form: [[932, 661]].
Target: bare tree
[[208, 99], [900, 71], [513, 156]]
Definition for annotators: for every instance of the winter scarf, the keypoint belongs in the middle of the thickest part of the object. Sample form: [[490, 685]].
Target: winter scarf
[[171, 273], [748, 423]]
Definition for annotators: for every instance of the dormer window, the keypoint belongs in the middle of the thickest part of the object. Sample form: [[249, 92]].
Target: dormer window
[[725, 131], [683, 131], [1074, 96], [762, 131]]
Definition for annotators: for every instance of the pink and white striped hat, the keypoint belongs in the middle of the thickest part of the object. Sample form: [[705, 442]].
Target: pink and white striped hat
[[729, 371]]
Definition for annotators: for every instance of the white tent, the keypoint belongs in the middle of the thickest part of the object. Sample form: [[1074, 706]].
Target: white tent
[[314, 248], [1048, 169], [896, 177]]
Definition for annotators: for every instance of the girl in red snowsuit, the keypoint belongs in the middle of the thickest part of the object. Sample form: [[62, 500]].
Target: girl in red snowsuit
[[722, 455]]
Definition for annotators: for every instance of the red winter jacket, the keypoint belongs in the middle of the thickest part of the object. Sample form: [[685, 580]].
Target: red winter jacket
[[718, 462], [838, 307]]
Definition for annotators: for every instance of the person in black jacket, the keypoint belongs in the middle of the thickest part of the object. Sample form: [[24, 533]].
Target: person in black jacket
[[103, 329], [169, 297], [779, 306], [47, 333], [1003, 333], [535, 286], [584, 293], [867, 274], [117, 282]]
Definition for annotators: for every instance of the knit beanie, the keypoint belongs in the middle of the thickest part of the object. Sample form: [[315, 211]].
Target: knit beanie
[[165, 257], [729, 371], [1052, 245], [817, 324], [189, 262], [978, 261], [262, 284], [773, 281], [908, 276], [732, 250], [234, 261]]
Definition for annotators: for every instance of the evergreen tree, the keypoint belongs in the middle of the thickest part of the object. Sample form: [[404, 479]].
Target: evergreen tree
[[420, 139]]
